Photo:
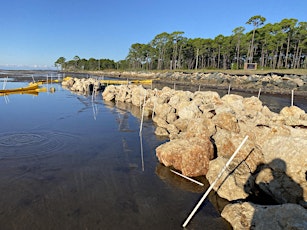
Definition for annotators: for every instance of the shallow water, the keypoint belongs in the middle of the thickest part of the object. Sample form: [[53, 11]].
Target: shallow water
[[70, 161]]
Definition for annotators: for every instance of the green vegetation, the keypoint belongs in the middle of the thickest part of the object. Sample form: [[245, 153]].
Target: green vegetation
[[280, 46], [83, 64]]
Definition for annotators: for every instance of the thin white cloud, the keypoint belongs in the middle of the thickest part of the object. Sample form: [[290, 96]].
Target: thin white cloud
[[26, 67]]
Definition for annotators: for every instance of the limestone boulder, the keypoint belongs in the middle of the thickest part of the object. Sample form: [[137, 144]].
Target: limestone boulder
[[208, 97], [171, 117], [123, 93], [188, 111], [161, 132], [160, 122], [234, 102], [163, 110], [279, 217], [285, 174], [138, 95], [164, 95], [231, 185], [190, 156], [227, 121], [252, 106], [68, 83], [294, 116], [201, 126], [292, 111], [181, 124], [109, 93], [179, 97]]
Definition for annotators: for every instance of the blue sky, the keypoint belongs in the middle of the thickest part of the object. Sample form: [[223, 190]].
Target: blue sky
[[38, 32]]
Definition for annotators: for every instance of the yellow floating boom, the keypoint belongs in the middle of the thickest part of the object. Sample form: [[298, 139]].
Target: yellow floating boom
[[31, 86], [127, 82]]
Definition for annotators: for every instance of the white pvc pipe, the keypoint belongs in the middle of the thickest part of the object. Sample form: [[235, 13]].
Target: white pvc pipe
[[142, 118], [259, 93], [188, 178], [213, 184]]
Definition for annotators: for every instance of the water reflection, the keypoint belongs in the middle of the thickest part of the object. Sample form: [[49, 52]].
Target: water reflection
[[62, 169]]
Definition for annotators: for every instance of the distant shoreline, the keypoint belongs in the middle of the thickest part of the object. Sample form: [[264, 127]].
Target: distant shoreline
[[270, 81], [273, 82]]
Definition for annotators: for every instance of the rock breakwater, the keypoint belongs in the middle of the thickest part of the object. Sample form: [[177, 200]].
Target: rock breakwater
[[204, 130], [269, 82]]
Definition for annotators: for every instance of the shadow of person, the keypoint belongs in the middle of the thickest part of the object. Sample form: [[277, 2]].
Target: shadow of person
[[270, 184]]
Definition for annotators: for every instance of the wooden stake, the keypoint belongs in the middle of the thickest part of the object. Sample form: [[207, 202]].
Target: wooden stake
[[213, 184], [292, 97]]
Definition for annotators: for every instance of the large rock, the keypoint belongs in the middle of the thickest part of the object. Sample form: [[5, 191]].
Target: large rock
[[227, 121], [162, 110], [233, 101], [138, 94], [278, 217], [109, 93], [285, 175], [188, 111], [190, 156], [180, 97], [231, 185], [294, 116]]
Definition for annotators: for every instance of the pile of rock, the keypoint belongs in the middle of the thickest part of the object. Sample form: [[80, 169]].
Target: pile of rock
[[82, 85], [204, 131], [270, 82]]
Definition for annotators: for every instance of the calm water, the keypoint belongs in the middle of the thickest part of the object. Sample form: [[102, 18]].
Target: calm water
[[69, 161]]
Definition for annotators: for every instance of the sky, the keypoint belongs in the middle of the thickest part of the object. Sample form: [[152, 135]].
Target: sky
[[35, 33]]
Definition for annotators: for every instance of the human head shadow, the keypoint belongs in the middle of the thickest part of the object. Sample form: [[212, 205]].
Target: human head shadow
[[269, 184]]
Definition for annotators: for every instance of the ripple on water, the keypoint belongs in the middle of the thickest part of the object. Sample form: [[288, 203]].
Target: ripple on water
[[16, 145]]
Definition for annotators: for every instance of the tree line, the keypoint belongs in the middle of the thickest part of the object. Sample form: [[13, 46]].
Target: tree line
[[274, 46], [83, 64]]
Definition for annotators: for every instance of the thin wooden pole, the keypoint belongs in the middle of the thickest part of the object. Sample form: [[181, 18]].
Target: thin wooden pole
[[228, 89], [188, 178], [213, 184], [292, 97]]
